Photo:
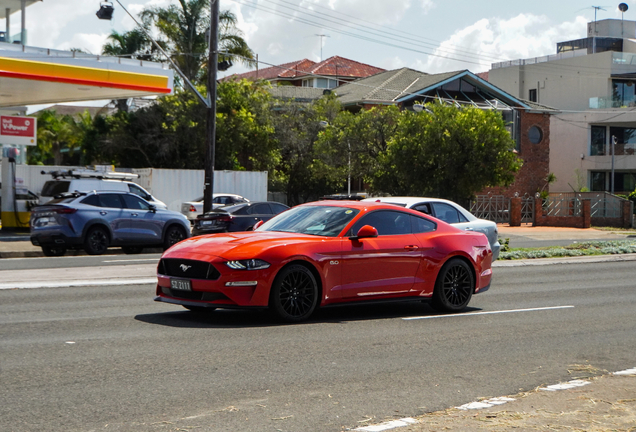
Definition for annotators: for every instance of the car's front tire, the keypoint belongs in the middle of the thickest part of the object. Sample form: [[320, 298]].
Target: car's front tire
[[454, 286], [294, 294], [174, 235], [53, 251], [96, 242]]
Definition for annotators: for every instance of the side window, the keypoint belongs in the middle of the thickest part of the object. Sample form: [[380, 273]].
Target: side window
[[138, 191], [278, 208], [110, 201], [423, 207], [92, 200], [260, 209], [386, 222], [133, 202], [422, 225], [446, 212]]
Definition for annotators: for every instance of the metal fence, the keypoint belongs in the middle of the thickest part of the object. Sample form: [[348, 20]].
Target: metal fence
[[603, 204], [527, 209], [492, 207]]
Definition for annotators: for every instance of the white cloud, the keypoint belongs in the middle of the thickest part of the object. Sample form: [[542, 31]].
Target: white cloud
[[427, 5], [91, 43], [492, 40]]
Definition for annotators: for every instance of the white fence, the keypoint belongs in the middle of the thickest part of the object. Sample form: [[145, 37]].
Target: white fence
[[170, 186]]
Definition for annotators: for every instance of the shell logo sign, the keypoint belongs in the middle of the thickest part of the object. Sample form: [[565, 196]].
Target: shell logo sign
[[16, 130]]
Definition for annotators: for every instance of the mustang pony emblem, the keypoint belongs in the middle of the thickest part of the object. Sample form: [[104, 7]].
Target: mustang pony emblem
[[184, 267]]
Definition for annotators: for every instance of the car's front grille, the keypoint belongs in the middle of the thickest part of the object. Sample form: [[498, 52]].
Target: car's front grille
[[190, 269], [193, 295]]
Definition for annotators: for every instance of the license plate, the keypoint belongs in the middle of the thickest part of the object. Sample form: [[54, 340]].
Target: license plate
[[181, 284], [207, 222]]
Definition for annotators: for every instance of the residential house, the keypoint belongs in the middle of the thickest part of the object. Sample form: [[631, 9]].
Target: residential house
[[529, 123]]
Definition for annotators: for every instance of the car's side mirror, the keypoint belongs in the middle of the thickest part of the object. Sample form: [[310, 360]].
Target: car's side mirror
[[366, 231], [152, 208], [258, 224]]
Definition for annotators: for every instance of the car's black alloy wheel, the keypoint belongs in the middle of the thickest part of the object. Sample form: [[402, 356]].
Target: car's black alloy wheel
[[454, 286], [174, 235], [96, 242], [294, 294], [53, 251]]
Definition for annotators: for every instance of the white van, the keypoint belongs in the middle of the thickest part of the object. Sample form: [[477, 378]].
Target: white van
[[89, 180]]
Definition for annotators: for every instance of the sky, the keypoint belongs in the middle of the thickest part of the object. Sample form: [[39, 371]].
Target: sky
[[428, 35]]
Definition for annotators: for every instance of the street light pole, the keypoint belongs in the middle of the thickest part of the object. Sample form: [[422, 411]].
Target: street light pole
[[349, 179], [613, 150], [213, 56]]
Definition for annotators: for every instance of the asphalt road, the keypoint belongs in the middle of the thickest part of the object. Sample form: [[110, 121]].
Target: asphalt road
[[110, 359]]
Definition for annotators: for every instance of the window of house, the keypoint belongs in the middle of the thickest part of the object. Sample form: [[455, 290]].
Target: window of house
[[535, 135], [623, 93], [625, 140], [308, 82], [532, 95], [598, 181], [597, 147]]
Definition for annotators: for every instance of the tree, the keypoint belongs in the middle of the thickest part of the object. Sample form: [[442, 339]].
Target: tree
[[58, 140], [170, 133], [448, 152], [308, 167], [185, 29]]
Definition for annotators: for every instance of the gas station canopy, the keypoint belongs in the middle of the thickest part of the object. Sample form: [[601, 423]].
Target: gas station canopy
[[13, 6], [30, 76]]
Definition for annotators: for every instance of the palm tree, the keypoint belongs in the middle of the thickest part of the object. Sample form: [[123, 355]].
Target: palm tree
[[185, 29], [134, 44]]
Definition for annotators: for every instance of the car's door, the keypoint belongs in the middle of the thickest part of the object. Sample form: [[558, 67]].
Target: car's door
[[111, 211], [142, 224], [385, 265]]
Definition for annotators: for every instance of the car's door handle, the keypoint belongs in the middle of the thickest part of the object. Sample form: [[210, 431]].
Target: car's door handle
[[469, 229], [411, 247], [134, 214], [103, 213]]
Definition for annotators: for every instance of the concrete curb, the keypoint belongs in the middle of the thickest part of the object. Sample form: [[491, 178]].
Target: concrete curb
[[565, 260]]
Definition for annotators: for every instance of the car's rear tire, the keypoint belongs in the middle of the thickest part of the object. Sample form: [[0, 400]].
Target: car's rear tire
[[454, 286], [96, 241], [294, 294], [174, 234], [131, 250], [53, 251]]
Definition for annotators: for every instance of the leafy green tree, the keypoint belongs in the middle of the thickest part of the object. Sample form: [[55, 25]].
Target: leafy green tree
[[58, 140], [448, 152], [184, 28], [171, 133], [363, 137], [308, 168]]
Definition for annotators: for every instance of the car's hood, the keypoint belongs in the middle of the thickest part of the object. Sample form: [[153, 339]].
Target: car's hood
[[239, 245]]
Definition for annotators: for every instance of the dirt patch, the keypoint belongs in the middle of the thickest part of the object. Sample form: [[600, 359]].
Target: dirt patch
[[608, 403]]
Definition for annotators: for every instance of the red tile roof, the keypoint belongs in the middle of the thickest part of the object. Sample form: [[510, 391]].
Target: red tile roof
[[333, 66]]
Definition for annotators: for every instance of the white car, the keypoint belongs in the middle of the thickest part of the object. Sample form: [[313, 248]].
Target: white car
[[451, 213], [191, 209]]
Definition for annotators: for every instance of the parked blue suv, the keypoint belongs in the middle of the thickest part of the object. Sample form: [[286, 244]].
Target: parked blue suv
[[95, 221]]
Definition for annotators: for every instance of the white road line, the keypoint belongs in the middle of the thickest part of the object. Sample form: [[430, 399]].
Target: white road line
[[631, 371], [388, 425], [566, 386], [488, 313], [133, 260], [75, 283]]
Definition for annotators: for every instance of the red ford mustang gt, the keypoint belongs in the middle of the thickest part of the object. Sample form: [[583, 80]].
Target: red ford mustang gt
[[325, 253]]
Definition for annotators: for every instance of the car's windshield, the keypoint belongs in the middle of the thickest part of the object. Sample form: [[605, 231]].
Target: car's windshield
[[316, 220]]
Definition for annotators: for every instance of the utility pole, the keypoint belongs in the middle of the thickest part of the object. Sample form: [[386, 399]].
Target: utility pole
[[613, 151], [213, 57]]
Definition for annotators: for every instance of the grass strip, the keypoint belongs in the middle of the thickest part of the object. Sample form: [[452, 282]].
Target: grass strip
[[576, 249]]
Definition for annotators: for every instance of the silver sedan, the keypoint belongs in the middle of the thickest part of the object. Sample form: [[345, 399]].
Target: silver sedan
[[451, 213]]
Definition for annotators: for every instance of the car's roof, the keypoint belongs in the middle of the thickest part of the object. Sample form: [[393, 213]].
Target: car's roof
[[407, 200], [350, 204]]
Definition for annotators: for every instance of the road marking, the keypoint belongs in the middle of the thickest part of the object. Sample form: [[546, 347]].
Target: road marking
[[566, 386], [132, 260], [626, 372], [388, 425], [488, 313], [75, 283], [488, 403]]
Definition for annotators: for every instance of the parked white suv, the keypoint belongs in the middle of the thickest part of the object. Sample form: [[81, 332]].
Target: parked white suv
[[89, 180]]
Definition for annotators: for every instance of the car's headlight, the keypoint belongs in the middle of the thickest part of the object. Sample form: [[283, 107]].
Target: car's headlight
[[251, 264]]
